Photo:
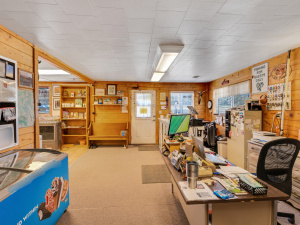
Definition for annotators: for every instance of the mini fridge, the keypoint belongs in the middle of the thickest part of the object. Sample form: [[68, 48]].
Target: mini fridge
[[34, 186]]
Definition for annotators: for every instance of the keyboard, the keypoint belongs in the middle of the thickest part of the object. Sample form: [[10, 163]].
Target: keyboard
[[215, 159]]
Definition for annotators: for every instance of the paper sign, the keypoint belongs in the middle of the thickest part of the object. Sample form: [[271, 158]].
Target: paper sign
[[163, 107], [256, 122], [163, 103], [247, 121], [125, 100], [143, 110], [162, 96], [260, 79]]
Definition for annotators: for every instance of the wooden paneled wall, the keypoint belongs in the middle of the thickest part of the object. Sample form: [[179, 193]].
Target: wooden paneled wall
[[111, 114], [292, 118], [20, 50]]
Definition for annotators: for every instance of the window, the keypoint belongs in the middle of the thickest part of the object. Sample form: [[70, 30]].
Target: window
[[231, 96], [44, 100], [226, 103], [143, 105], [180, 101]]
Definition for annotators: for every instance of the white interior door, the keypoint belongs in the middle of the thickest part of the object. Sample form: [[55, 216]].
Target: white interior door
[[143, 121]]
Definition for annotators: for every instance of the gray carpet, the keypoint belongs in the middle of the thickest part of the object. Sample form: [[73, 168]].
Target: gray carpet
[[148, 148], [155, 174]]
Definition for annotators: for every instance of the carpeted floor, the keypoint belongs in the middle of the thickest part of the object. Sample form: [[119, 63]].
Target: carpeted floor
[[106, 188], [155, 174], [148, 148]]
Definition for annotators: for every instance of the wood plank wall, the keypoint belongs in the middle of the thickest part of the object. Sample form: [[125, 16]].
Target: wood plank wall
[[21, 51], [292, 118], [113, 114]]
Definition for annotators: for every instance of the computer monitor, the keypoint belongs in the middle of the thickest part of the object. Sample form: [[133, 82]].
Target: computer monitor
[[199, 147], [179, 124]]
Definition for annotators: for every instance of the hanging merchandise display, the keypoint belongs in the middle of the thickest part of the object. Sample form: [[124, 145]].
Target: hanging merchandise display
[[276, 94]]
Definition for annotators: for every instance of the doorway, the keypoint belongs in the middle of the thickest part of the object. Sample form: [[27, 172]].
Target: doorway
[[143, 117]]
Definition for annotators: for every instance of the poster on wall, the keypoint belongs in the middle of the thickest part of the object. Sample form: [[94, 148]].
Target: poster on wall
[[260, 78]]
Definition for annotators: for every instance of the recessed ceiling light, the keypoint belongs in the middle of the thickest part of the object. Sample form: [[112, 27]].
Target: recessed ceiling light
[[50, 72], [156, 76]]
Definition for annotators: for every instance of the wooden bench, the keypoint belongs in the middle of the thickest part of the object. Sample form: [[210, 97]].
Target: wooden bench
[[108, 132]]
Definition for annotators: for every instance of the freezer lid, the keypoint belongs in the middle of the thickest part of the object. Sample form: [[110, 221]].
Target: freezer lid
[[29, 159]]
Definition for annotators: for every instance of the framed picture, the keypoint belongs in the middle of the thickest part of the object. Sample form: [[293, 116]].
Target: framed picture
[[56, 103], [2, 68], [99, 92], [56, 90], [111, 89], [10, 70], [25, 79]]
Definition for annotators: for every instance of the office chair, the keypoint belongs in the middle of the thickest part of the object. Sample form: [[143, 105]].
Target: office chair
[[275, 165]]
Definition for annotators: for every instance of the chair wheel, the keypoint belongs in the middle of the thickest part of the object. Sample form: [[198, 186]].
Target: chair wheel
[[291, 220]]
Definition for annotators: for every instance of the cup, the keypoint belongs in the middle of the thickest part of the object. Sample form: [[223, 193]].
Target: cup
[[192, 174]]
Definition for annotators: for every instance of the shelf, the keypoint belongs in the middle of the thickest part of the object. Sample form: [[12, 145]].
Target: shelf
[[107, 104], [73, 107], [73, 135], [73, 97], [108, 96], [73, 128], [73, 119]]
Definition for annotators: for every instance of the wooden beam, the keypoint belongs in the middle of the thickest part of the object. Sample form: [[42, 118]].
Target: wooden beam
[[36, 97], [61, 65]]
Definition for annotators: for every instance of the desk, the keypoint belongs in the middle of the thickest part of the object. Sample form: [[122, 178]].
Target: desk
[[173, 145], [245, 209]]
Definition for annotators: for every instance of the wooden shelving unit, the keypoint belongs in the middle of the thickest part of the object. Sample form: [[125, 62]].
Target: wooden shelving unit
[[73, 127]]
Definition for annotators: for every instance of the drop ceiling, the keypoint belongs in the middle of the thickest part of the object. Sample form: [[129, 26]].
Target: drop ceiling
[[116, 40]]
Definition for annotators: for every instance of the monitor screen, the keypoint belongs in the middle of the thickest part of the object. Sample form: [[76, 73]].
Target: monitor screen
[[179, 124]]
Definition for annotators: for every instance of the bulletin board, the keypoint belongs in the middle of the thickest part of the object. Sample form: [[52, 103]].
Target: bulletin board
[[9, 127], [26, 108]]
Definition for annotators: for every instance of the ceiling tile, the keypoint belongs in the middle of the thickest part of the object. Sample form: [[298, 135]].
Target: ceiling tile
[[14, 6], [142, 4], [201, 44], [75, 7], [227, 40], [168, 18], [173, 5], [210, 35], [191, 27], [28, 19], [119, 41], [186, 39], [89, 23], [140, 38], [42, 1], [239, 7], [93, 35], [12, 25], [63, 28], [140, 46], [115, 31], [41, 32], [111, 16], [223, 21], [166, 33], [202, 10], [108, 3], [140, 25]]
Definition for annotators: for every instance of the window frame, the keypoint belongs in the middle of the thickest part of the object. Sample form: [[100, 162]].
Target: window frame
[[193, 97]]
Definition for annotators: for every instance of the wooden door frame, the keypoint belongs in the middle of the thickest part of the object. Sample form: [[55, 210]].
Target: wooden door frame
[[37, 52]]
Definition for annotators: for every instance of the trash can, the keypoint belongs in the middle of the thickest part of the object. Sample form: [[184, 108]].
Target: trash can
[[222, 148]]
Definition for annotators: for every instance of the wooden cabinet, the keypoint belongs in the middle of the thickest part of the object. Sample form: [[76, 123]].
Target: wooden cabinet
[[74, 113]]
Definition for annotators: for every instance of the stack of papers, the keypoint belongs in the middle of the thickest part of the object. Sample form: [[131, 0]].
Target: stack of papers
[[202, 192]]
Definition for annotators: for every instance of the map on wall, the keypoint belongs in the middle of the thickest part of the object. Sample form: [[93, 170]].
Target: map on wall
[[26, 108]]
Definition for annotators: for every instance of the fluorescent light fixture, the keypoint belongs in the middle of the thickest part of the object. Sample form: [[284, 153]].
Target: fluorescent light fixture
[[165, 61], [165, 56], [52, 72], [157, 76]]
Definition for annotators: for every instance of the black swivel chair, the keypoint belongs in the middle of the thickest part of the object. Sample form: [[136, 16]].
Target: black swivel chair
[[275, 165]]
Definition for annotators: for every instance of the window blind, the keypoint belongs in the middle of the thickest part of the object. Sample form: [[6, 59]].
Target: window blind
[[235, 89]]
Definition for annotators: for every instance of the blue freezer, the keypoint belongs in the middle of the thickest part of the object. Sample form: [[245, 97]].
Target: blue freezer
[[34, 186]]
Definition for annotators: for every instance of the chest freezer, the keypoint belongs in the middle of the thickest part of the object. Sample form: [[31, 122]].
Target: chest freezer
[[34, 186]]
